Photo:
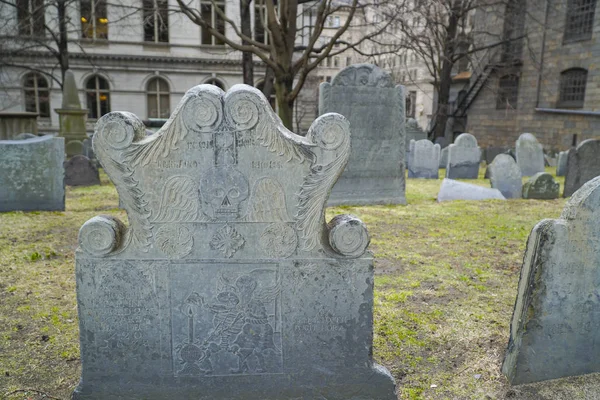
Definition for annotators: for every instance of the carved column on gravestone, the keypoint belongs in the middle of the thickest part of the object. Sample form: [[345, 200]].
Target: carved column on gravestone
[[72, 118]]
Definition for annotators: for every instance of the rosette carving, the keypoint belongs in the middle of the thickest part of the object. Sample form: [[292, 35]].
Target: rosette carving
[[348, 235], [242, 109], [175, 241]]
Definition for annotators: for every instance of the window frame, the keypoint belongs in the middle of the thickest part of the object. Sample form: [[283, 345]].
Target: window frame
[[260, 16], [159, 94], [98, 17], [582, 28], [153, 17], [506, 93], [27, 19], [571, 74], [35, 90], [97, 92], [214, 41]]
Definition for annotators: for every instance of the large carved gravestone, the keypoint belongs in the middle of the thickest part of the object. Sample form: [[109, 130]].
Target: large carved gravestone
[[463, 158], [583, 164], [228, 283], [366, 96], [556, 321], [32, 174], [529, 154]]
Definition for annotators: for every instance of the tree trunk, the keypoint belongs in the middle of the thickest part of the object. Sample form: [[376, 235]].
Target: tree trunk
[[246, 27], [63, 49], [283, 87]]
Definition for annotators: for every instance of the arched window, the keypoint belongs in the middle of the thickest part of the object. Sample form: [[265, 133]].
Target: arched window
[[158, 98], [98, 96], [580, 20], [508, 92], [216, 82], [572, 88], [37, 94]]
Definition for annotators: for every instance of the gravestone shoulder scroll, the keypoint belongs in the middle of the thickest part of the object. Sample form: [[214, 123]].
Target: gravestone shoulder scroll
[[505, 175], [555, 324], [529, 155], [464, 157], [583, 164], [32, 174], [424, 159], [227, 284], [374, 106]]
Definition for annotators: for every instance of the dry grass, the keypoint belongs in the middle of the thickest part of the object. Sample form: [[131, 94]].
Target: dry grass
[[445, 287]]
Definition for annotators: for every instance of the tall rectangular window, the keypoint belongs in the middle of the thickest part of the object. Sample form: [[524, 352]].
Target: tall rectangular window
[[94, 19], [514, 30], [31, 17], [260, 21], [156, 21], [580, 20], [411, 103], [211, 15]]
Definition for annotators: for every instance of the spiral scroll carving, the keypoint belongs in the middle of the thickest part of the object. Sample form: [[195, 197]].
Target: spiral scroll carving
[[242, 110], [118, 135], [348, 235], [203, 112], [101, 235], [331, 133]]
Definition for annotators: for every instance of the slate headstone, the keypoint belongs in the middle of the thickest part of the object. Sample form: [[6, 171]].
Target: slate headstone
[[561, 165], [463, 158], [424, 159], [444, 157], [583, 164], [227, 284], [505, 175], [32, 174], [456, 190], [555, 324], [413, 132], [529, 154], [88, 151], [81, 171], [365, 94], [541, 186]]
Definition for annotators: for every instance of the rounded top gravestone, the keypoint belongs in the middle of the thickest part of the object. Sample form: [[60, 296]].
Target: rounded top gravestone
[[363, 75], [466, 140], [505, 175], [583, 164], [541, 186], [463, 158], [529, 155]]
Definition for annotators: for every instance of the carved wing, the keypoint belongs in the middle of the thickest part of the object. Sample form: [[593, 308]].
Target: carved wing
[[179, 200], [267, 203], [277, 139]]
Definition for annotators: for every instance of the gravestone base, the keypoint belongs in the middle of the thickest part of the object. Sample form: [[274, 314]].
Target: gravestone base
[[463, 171], [367, 191], [317, 346]]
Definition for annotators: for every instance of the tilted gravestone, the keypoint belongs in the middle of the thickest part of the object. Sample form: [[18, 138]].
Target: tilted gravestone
[[456, 190], [583, 164], [32, 174], [227, 284], [555, 323], [366, 96], [561, 165], [541, 186], [80, 171], [505, 175], [529, 155], [423, 159], [463, 158]]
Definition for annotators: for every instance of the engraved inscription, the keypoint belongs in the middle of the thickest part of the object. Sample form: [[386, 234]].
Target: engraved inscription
[[323, 322], [267, 164], [177, 164], [200, 145]]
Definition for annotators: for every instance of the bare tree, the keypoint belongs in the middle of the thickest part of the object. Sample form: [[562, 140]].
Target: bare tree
[[293, 50]]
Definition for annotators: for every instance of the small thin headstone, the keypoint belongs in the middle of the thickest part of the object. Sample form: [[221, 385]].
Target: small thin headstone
[[366, 95], [413, 132], [541, 186], [81, 171], [463, 158], [505, 175], [529, 155], [227, 283], [88, 150], [444, 157], [32, 174], [561, 165], [583, 164], [424, 159], [456, 190], [555, 324]]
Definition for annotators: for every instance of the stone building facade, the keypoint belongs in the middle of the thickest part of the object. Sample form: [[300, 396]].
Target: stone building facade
[[547, 83]]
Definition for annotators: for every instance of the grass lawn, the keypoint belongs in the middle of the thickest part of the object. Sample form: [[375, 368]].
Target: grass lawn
[[446, 283]]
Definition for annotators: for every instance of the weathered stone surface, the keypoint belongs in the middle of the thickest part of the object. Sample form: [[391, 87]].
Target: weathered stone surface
[[72, 117], [541, 186], [32, 174], [444, 157], [529, 154], [463, 158], [505, 175], [80, 171], [424, 159], [25, 136], [413, 132], [367, 97], [227, 284], [456, 190], [14, 123], [561, 165], [555, 325], [583, 164], [88, 150]]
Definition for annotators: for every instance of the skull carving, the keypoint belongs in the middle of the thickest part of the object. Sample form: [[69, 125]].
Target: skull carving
[[223, 189]]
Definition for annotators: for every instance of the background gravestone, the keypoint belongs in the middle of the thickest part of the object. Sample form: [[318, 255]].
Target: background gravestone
[[463, 158], [583, 164], [505, 175], [541, 186], [80, 171], [529, 155], [366, 96], [72, 117], [561, 165], [413, 132], [456, 190], [227, 284], [444, 157], [555, 324], [32, 174], [424, 159]]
